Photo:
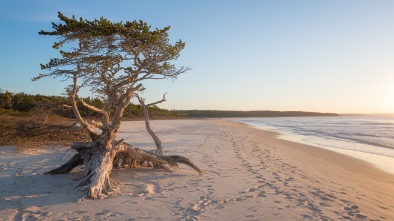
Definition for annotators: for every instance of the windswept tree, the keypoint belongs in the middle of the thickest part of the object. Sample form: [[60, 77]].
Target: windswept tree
[[112, 60]]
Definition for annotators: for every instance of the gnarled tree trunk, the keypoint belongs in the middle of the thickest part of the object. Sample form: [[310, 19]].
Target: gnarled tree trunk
[[98, 167], [99, 162], [104, 152]]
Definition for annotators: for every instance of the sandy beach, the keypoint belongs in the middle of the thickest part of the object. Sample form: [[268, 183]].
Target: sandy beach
[[249, 174]]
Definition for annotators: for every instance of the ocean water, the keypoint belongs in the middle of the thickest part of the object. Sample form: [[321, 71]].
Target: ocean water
[[370, 138]]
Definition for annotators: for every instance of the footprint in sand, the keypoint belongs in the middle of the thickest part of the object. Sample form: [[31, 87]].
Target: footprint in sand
[[109, 214], [353, 213], [34, 213]]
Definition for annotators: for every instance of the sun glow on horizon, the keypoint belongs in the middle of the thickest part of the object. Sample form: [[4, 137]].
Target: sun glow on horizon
[[389, 98]]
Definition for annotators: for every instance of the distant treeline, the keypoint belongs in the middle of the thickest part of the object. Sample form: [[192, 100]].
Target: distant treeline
[[22, 102], [25, 102], [219, 114]]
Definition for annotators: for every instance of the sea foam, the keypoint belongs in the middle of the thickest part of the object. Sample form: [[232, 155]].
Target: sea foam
[[369, 138]]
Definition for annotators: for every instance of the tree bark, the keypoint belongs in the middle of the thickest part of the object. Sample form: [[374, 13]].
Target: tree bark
[[99, 162], [75, 161], [97, 171]]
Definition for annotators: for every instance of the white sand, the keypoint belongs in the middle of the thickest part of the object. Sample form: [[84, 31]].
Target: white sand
[[249, 175]]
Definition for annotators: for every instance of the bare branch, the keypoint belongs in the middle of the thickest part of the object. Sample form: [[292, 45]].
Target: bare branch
[[83, 122], [158, 102], [155, 138], [104, 113]]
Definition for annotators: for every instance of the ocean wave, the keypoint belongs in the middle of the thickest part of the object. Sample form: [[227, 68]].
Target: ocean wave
[[378, 132]]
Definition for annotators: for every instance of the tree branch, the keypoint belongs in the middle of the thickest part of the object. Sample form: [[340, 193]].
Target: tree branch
[[104, 113], [155, 138], [83, 122]]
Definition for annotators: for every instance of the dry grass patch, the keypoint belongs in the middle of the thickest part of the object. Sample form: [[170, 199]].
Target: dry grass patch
[[20, 130]]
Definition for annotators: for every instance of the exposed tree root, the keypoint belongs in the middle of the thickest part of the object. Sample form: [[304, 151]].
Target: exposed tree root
[[165, 162], [100, 161], [75, 161], [179, 159]]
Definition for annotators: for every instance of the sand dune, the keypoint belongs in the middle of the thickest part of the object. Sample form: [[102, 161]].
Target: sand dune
[[248, 175]]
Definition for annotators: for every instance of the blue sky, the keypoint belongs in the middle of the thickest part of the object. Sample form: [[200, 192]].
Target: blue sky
[[325, 56]]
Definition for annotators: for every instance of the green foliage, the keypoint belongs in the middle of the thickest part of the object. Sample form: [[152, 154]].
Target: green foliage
[[91, 101], [25, 102], [21, 104], [220, 114], [134, 111], [5, 99], [112, 59]]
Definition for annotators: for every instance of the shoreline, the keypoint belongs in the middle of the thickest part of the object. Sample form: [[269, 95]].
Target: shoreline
[[339, 169], [249, 174], [378, 160]]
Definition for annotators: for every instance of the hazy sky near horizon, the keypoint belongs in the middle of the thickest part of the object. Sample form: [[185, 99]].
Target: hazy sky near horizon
[[325, 56]]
